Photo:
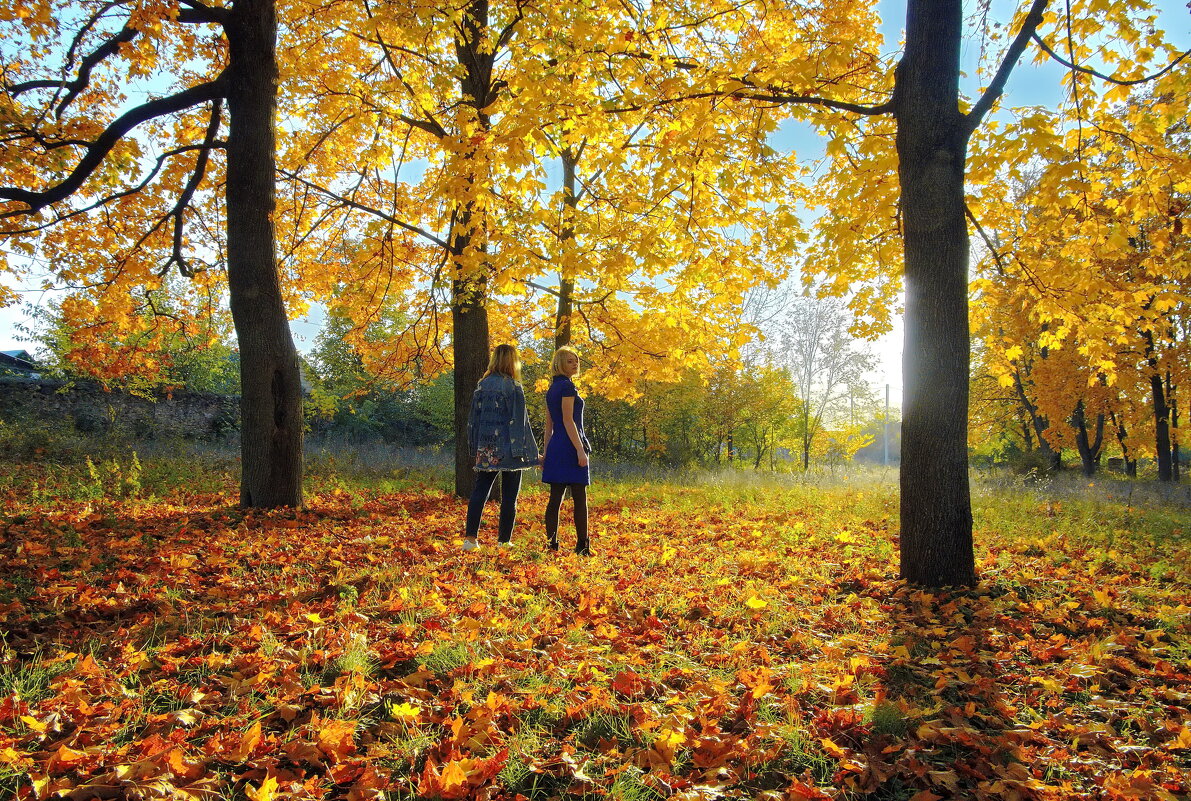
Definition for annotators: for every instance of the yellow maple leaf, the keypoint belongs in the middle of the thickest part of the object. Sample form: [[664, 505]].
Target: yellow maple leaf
[[266, 792]]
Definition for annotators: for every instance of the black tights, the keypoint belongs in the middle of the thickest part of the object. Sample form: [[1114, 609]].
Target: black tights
[[510, 485], [579, 494]]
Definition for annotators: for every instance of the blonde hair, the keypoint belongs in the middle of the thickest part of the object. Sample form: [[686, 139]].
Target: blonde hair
[[504, 360], [556, 364]]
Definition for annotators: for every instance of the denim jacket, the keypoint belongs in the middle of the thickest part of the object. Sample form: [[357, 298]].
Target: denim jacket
[[498, 429]]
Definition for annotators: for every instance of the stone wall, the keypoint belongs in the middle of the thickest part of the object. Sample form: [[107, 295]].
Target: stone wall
[[87, 408]]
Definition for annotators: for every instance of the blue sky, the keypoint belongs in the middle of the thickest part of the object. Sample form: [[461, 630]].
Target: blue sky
[[1029, 85]]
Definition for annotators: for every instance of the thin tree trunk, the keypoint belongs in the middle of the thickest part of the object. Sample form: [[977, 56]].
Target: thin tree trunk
[[270, 378], [936, 510], [1122, 439], [1089, 449], [1053, 456], [1172, 402], [1161, 413], [566, 237]]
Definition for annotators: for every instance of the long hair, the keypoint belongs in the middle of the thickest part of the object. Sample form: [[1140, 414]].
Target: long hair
[[504, 360], [556, 363]]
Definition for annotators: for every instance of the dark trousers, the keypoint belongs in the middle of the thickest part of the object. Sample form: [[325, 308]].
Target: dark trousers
[[579, 494], [510, 485]]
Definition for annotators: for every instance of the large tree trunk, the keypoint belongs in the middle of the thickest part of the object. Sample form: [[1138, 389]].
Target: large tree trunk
[[270, 379], [470, 348], [469, 289], [936, 510]]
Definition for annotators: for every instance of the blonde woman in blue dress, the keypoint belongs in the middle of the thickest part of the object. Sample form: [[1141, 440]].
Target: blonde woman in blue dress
[[564, 463]]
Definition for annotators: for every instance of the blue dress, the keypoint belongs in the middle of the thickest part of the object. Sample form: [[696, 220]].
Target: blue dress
[[562, 461]]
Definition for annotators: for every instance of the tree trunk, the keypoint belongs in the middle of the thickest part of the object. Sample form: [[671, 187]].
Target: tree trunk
[[1161, 412], [566, 238], [1053, 456], [1172, 403], [1161, 428], [1122, 439], [469, 346], [936, 510], [469, 287], [1089, 449], [270, 378]]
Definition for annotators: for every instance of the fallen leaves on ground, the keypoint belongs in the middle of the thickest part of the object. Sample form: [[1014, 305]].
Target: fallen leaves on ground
[[719, 645]]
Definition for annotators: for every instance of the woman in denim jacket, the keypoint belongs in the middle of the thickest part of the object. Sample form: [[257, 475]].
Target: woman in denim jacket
[[499, 434]]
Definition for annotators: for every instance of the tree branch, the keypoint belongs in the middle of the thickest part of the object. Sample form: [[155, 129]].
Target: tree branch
[[99, 149], [413, 229], [768, 97], [217, 144], [89, 63], [196, 177], [992, 94], [1096, 74], [196, 12]]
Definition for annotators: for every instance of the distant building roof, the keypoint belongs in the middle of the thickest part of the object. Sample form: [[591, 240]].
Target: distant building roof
[[18, 360]]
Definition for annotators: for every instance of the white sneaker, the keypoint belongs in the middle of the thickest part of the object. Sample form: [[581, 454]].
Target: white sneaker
[[471, 545], [508, 546]]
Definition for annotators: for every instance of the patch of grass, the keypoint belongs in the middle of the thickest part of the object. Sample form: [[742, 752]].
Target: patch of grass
[[29, 679], [629, 785], [599, 726], [888, 718], [444, 658], [518, 774]]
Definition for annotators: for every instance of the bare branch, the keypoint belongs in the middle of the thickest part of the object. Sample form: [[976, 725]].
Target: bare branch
[[196, 177], [346, 201], [995, 89], [99, 149], [1096, 74], [766, 97]]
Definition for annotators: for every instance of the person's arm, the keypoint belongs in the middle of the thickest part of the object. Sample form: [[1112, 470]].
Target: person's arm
[[568, 422]]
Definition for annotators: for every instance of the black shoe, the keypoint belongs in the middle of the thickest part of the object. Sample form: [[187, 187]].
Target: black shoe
[[552, 544], [583, 550]]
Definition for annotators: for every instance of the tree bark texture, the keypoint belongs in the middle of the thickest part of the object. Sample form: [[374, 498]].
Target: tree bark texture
[[270, 380], [469, 314], [936, 511], [469, 289]]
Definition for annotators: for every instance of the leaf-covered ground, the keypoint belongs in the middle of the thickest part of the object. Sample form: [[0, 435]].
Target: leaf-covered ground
[[720, 644]]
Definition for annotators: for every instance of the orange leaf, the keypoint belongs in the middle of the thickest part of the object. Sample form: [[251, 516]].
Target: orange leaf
[[248, 743], [336, 738]]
